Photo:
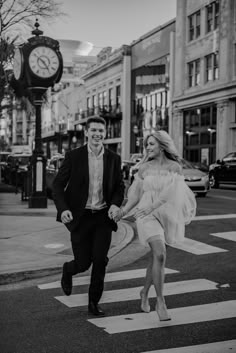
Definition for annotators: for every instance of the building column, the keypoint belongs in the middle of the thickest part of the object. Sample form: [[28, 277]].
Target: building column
[[126, 103], [177, 129], [222, 129]]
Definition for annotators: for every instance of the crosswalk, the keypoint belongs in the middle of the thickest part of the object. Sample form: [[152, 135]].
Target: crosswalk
[[132, 322]]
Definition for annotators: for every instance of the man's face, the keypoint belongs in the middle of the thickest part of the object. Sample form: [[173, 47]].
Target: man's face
[[95, 134]]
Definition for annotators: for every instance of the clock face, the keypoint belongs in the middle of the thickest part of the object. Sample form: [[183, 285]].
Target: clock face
[[43, 62], [18, 64]]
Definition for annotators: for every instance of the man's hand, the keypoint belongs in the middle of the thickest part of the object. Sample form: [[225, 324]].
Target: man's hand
[[113, 212], [66, 216]]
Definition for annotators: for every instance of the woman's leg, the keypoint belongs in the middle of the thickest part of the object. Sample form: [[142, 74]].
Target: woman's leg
[[158, 250], [147, 284]]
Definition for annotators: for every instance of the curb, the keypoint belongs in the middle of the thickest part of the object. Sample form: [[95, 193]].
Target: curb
[[15, 277]]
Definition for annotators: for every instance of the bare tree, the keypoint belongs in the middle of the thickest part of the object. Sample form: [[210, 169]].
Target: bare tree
[[15, 16]]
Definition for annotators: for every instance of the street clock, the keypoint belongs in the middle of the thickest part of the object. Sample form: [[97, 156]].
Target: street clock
[[38, 65], [44, 62], [18, 64]]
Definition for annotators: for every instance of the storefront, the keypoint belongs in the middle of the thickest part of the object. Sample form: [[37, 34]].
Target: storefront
[[199, 135]]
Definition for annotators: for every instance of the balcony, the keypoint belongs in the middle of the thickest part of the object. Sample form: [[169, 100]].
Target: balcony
[[105, 111]]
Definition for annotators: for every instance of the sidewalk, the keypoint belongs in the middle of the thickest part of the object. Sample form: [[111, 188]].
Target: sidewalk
[[33, 244]]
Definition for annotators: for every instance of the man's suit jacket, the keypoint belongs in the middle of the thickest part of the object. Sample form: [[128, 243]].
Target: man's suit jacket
[[71, 185]]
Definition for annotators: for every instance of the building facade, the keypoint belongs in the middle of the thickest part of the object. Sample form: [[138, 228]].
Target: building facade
[[107, 90], [150, 83], [204, 79]]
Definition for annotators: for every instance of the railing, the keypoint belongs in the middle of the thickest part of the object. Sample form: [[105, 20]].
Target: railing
[[106, 111]]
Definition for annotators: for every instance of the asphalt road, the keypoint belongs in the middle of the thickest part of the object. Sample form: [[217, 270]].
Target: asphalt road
[[200, 294]]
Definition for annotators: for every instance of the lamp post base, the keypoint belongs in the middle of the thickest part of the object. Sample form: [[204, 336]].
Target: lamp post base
[[38, 196]]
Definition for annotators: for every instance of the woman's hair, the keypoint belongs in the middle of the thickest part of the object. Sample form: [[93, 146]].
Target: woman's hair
[[166, 144]]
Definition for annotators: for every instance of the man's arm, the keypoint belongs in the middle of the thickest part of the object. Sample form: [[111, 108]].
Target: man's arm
[[59, 184]]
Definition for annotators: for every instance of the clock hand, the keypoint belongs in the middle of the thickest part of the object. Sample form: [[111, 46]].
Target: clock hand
[[44, 63]]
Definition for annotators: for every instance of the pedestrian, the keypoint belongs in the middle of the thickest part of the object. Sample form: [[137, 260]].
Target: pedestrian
[[161, 203], [86, 191]]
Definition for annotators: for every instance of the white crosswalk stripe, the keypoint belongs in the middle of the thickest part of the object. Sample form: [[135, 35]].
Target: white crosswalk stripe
[[196, 247], [180, 316], [226, 235], [121, 295], [216, 347], [110, 277]]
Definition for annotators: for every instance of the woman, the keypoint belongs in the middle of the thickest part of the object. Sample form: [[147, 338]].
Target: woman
[[162, 204]]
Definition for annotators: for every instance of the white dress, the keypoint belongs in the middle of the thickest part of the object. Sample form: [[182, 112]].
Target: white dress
[[176, 205]]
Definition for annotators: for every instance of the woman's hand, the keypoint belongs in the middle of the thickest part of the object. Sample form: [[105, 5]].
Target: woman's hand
[[142, 212]]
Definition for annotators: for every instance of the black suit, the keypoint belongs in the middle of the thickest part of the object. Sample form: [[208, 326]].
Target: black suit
[[90, 232]]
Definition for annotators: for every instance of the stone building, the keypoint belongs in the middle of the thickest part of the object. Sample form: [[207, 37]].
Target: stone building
[[204, 79]]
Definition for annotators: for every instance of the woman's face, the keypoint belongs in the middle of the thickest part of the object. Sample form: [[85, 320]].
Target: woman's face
[[153, 148]]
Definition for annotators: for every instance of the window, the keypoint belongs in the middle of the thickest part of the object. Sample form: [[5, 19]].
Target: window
[[104, 98], [197, 72], [88, 103], [94, 101], [194, 25], [194, 73], [212, 67], [100, 100], [118, 95], [110, 97], [212, 16]]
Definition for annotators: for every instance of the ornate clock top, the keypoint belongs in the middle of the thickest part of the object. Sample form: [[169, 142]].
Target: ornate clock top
[[37, 31]]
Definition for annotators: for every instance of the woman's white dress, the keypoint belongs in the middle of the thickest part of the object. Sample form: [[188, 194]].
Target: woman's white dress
[[176, 205]]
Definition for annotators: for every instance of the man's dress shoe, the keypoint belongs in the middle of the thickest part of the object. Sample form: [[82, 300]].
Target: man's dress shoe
[[95, 310], [66, 281]]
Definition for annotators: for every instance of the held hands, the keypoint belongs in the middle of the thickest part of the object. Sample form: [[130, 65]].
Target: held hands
[[66, 216], [115, 213]]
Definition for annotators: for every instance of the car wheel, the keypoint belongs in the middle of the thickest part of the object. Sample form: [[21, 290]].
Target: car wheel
[[213, 181]]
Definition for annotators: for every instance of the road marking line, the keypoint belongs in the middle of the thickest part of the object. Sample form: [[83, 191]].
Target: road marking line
[[126, 294], [218, 216], [216, 347], [180, 316], [112, 276], [226, 235], [196, 247]]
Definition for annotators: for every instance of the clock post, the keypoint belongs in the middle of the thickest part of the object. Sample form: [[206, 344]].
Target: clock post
[[38, 65]]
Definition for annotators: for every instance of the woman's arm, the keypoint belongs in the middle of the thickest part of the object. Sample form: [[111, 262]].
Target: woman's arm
[[134, 195]]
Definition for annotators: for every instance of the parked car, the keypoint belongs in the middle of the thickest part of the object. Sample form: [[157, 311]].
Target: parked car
[[52, 168], [127, 164], [197, 180], [223, 171], [16, 165]]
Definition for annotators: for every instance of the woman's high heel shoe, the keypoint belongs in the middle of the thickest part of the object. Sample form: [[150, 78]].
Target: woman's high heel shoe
[[162, 312], [144, 302]]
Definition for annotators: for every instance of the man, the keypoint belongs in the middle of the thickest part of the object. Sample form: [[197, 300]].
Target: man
[[86, 191]]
